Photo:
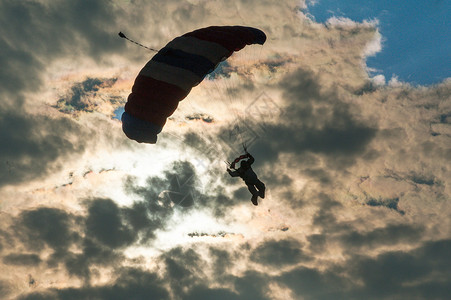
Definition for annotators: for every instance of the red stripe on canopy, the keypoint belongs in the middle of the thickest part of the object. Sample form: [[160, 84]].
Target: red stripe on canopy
[[233, 38], [153, 100]]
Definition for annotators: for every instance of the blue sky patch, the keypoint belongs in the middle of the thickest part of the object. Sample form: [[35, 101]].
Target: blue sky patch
[[416, 35]]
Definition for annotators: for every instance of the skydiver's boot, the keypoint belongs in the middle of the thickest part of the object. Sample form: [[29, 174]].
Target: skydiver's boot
[[254, 200]]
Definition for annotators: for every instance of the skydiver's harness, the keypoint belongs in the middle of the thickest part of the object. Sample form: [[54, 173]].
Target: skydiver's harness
[[236, 160], [231, 165], [245, 172]]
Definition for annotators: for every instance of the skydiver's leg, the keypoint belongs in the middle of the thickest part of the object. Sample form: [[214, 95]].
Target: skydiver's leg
[[254, 193], [261, 188], [254, 200], [252, 189]]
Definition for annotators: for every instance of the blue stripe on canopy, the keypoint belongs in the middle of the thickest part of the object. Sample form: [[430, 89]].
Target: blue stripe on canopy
[[197, 64]]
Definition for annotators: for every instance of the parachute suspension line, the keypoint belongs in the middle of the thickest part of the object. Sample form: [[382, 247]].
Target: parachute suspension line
[[228, 163], [250, 59], [141, 45], [228, 85], [243, 61]]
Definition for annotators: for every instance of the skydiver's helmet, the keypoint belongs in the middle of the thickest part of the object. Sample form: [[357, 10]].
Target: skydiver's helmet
[[139, 130], [244, 164]]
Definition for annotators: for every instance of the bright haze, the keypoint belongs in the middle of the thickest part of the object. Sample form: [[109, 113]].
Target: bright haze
[[355, 162]]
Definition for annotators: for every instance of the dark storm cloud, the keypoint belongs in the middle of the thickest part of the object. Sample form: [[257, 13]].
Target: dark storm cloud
[[391, 203], [5, 289], [130, 284], [31, 145], [62, 232], [202, 292], [241, 193], [183, 184], [310, 283], [105, 224], [392, 275], [222, 260], [222, 202], [252, 285], [46, 227], [317, 242], [109, 228], [152, 210], [99, 237], [279, 253], [106, 232], [33, 35], [332, 230], [391, 234], [420, 273], [424, 179], [319, 131], [315, 120], [6, 238], [22, 259], [410, 274], [183, 268], [93, 254], [187, 274], [95, 237], [180, 186], [325, 217]]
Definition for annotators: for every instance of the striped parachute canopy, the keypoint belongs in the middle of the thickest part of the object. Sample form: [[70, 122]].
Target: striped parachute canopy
[[171, 74]]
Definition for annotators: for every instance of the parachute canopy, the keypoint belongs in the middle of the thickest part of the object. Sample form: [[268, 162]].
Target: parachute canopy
[[171, 74]]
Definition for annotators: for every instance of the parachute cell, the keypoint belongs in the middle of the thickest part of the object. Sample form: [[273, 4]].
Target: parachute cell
[[171, 74]]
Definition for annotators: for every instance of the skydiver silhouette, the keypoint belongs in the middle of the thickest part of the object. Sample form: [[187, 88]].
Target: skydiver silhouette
[[255, 186]]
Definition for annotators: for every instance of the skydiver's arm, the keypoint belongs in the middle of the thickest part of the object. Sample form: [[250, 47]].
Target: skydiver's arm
[[251, 159], [233, 173]]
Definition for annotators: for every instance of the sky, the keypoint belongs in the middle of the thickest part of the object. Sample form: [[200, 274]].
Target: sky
[[415, 35], [354, 158]]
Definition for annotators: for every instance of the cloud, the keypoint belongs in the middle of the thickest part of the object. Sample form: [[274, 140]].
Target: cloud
[[21, 259], [204, 292], [389, 203], [81, 94], [96, 238], [355, 169], [391, 234], [46, 227], [131, 283], [105, 225], [315, 120], [310, 283], [279, 253], [31, 145], [35, 34], [5, 289], [182, 269], [405, 274], [186, 275], [200, 116]]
